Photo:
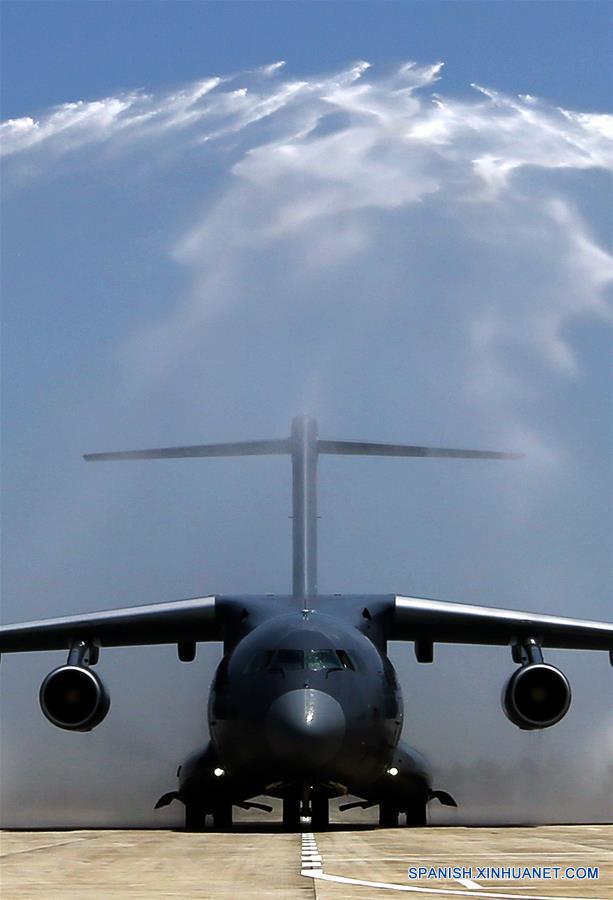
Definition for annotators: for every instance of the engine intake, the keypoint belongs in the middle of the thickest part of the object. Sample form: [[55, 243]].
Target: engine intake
[[74, 698], [536, 696]]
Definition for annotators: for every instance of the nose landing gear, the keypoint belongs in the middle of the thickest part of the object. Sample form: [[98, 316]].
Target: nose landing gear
[[311, 803]]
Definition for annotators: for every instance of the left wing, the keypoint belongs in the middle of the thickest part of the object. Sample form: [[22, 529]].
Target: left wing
[[197, 619], [439, 621]]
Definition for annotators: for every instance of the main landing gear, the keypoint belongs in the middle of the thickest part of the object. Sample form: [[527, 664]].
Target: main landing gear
[[195, 817], [291, 813], [320, 811], [415, 815]]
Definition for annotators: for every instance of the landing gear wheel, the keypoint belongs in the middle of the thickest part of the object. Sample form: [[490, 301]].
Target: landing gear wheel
[[320, 812], [291, 814], [388, 815], [194, 817], [222, 816], [416, 816]]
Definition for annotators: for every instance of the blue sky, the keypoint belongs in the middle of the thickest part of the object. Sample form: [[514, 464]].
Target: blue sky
[[199, 244], [557, 50]]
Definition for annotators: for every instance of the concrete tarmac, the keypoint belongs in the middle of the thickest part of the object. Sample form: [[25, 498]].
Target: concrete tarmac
[[260, 861]]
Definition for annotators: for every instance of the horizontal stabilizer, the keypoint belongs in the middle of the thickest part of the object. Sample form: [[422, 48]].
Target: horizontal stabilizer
[[304, 447], [240, 448], [370, 448]]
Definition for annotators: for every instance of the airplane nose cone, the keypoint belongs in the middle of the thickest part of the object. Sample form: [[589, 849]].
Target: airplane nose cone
[[305, 727]]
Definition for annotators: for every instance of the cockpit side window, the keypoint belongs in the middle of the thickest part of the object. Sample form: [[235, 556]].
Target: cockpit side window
[[259, 662], [345, 660]]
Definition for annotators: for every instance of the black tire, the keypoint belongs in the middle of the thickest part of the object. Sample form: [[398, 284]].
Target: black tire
[[291, 814], [388, 815], [222, 817], [417, 816], [320, 811], [194, 817]]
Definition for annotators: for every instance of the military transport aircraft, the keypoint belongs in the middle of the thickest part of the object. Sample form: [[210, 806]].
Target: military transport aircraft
[[305, 704]]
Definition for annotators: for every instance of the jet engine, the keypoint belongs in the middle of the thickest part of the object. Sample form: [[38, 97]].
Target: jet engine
[[536, 696], [74, 698]]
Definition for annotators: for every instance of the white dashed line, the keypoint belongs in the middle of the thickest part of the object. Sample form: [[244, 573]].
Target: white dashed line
[[311, 858], [473, 885]]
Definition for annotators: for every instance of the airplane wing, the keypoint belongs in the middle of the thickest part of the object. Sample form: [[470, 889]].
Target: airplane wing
[[439, 621], [196, 619]]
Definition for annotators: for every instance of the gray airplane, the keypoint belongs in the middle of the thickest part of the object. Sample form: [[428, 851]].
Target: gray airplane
[[305, 704]]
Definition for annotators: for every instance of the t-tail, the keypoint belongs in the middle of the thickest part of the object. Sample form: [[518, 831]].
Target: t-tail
[[305, 447]]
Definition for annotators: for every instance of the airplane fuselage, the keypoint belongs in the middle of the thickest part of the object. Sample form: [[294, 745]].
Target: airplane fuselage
[[303, 695], [304, 702]]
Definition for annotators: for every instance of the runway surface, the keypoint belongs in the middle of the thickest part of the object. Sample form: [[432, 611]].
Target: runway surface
[[256, 861]]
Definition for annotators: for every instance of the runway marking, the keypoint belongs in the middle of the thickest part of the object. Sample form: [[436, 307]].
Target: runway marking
[[311, 861], [445, 891], [42, 847], [312, 867]]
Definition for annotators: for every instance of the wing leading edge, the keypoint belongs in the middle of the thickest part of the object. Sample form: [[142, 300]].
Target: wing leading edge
[[439, 621], [196, 619], [412, 619]]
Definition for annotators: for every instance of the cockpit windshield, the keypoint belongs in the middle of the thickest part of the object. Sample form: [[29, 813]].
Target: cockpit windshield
[[289, 660], [322, 660]]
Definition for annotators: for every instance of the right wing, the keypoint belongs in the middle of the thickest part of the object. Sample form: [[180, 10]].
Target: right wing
[[157, 623], [441, 621]]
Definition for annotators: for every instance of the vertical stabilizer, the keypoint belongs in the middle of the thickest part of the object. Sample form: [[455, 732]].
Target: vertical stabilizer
[[304, 497], [304, 448]]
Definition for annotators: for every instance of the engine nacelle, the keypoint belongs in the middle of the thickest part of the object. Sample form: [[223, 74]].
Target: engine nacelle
[[536, 696], [74, 698]]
